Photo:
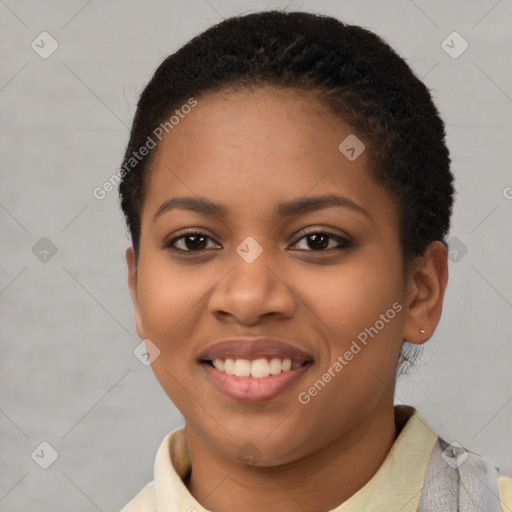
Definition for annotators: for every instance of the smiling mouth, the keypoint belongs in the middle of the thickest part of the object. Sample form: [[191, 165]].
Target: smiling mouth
[[254, 380], [256, 368]]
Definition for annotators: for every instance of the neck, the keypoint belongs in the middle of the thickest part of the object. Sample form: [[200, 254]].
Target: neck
[[320, 481]]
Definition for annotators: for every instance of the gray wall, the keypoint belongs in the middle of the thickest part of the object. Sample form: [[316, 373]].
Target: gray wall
[[67, 371]]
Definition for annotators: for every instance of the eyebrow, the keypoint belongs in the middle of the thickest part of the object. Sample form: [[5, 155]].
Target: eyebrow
[[286, 209]]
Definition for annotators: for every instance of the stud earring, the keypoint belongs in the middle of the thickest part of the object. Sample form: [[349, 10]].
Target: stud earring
[[422, 331]]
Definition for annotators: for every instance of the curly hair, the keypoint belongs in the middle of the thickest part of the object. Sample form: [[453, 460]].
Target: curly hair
[[352, 71]]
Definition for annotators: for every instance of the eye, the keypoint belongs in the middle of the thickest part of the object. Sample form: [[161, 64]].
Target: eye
[[320, 241], [196, 242], [190, 242]]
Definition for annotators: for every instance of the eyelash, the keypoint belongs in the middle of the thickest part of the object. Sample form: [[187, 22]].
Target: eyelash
[[344, 243]]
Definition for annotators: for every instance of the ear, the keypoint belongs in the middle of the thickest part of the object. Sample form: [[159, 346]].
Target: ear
[[132, 284], [426, 286]]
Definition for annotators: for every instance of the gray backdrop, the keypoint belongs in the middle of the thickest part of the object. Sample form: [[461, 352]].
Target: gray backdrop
[[68, 374]]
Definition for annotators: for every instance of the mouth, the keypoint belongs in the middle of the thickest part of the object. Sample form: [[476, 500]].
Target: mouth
[[258, 368], [254, 371]]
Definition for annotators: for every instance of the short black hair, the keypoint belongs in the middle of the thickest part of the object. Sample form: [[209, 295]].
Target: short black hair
[[351, 70]]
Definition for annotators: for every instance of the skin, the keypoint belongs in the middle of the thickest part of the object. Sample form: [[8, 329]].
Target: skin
[[252, 150]]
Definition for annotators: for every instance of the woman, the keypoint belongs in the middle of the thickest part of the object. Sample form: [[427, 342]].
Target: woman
[[288, 191]]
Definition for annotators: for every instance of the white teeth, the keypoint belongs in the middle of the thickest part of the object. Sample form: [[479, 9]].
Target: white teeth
[[229, 366], [275, 366], [257, 368], [260, 368], [242, 368]]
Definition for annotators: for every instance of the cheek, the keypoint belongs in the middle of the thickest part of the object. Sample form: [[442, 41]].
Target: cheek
[[354, 296], [167, 294], [361, 305]]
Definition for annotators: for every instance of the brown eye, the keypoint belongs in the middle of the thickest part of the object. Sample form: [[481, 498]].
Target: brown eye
[[190, 242], [319, 241], [316, 241]]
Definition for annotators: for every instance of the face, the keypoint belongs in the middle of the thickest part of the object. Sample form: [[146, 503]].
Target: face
[[324, 279]]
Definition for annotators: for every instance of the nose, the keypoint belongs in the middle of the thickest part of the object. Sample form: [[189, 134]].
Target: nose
[[253, 290]]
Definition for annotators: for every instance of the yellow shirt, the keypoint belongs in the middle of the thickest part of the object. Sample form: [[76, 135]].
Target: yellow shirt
[[396, 485]]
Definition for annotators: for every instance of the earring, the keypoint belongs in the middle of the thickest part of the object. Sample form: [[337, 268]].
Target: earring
[[422, 331]]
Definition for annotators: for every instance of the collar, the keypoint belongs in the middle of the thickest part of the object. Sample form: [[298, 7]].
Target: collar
[[396, 485]]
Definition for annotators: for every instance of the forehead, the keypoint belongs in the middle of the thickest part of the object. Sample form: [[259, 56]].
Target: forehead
[[253, 148]]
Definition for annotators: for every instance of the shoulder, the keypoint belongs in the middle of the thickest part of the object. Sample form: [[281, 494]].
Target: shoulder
[[478, 478], [505, 493], [144, 501]]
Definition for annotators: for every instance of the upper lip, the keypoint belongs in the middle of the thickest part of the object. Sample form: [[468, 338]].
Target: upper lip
[[254, 348]]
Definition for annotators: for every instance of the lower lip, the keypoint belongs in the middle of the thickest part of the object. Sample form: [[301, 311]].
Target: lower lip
[[250, 389]]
